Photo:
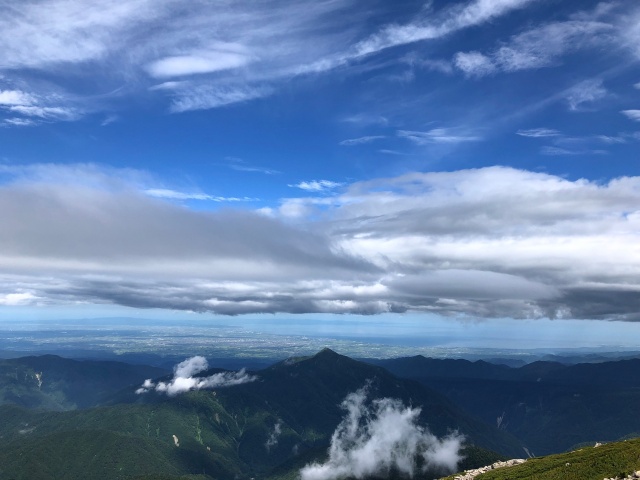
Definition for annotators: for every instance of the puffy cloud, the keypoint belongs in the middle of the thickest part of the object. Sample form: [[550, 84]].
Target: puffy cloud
[[380, 438], [184, 380]]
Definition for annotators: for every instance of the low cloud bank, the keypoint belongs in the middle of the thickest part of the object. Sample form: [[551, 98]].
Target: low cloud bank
[[184, 380], [380, 438]]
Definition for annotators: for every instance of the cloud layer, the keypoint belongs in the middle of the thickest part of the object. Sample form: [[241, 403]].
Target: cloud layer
[[489, 242], [383, 437], [184, 378]]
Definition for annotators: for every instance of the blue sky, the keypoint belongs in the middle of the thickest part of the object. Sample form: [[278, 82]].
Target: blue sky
[[472, 159]]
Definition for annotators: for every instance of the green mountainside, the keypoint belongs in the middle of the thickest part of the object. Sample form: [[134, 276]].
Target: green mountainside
[[618, 459], [50, 382], [223, 433], [83, 419]]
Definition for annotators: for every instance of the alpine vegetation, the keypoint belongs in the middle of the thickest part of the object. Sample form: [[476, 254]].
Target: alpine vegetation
[[184, 378], [381, 438]]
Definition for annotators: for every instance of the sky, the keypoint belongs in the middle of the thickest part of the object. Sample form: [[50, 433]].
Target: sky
[[475, 159]]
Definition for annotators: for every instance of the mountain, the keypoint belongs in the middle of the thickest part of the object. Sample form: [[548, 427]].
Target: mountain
[[269, 427], [549, 406], [613, 460], [54, 383]]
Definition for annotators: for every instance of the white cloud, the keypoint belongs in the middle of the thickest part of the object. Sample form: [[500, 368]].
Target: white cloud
[[15, 97], [13, 299], [220, 57], [444, 23], [184, 380], [55, 113], [383, 437], [361, 140], [437, 135], [539, 133], [541, 46], [632, 114], [19, 122], [474, 64], [585, 92], [206, 96], [317, 185], [272, 441]]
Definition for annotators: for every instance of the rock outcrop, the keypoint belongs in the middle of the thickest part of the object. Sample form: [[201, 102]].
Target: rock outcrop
[[471, 474]]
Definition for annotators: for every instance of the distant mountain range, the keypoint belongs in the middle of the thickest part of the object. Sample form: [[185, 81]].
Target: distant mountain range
[[549, 406], [72, 419]]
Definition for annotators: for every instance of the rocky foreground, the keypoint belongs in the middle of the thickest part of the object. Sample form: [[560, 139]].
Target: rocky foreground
[[633, 476], [471, 474]]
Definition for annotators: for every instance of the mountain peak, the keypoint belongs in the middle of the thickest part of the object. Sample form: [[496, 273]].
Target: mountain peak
[[326, 352]]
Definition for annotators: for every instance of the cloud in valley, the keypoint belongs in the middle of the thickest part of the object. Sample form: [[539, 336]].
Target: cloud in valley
[[380, 437], [272, 441], [184, 378]]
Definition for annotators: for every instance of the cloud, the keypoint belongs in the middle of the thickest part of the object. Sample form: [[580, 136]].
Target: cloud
[[175, 195], [381, 438], [22, 298], [489, 242], [184, 379], [361, 140], [474, 64], [632, 114], [15, 97], [317, 185], [437, 135], [242, 166], [555, 151], [539, 133], [272, 441], [225, 52], [19, 122], [220, 56], [445, 22], [365, 119], [55, 113], [543, 45], [587, 91], [203, 97]]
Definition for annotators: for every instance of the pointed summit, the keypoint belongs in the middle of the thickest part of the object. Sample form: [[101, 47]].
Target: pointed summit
[[326, 352]]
